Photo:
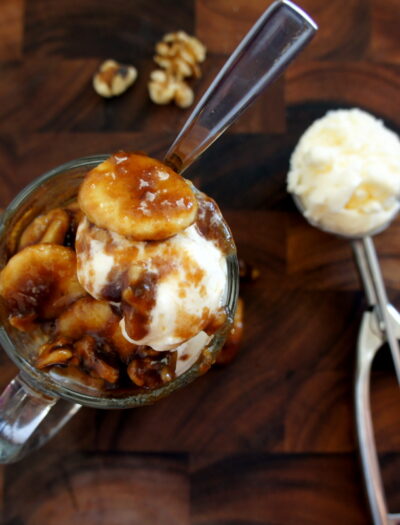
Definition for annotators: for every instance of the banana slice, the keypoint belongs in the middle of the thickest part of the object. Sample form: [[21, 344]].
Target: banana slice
[[88, 316], [137, 197], [50, 227], [39, 282]]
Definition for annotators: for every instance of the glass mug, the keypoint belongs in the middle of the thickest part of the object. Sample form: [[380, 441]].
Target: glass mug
[[35, 405]]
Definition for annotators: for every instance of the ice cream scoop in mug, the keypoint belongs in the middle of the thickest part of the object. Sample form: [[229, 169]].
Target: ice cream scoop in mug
[[35, 405]]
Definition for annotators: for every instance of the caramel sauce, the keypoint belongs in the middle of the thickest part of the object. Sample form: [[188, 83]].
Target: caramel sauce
[[216, 321], [149, 200], [142, 178], [211, 225], [138, 300], [41, 280], [188, 321], [28, 296], [152, 369], [116, 284], [75, 216]]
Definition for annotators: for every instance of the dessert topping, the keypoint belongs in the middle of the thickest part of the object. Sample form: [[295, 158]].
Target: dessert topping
[[138, 197], [39, 282]]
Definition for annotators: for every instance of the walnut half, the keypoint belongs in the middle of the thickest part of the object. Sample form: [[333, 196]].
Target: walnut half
[[165, 88], [178, 55], [113, 79]]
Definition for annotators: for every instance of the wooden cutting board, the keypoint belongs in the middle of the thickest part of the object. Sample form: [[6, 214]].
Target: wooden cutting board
[[270, 438]]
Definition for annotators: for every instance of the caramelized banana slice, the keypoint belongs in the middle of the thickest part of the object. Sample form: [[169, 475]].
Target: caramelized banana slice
[[88, 316], [50, 227], [138, 197], [40, 281]]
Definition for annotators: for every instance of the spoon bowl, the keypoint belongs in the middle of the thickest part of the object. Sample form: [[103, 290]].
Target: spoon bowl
[[320, 226]]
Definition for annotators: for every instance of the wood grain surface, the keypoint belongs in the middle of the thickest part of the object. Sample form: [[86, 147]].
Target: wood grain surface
[[269, 439]]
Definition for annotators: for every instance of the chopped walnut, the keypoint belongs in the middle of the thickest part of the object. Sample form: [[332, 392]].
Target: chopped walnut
[[151, 369], [57, 352], [113, 79], [179, 56], [165, 88], [184, 95], [97, 367], [64, 351], [161, 87]]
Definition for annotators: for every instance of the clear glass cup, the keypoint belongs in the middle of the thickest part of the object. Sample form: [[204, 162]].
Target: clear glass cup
[[35, 405]]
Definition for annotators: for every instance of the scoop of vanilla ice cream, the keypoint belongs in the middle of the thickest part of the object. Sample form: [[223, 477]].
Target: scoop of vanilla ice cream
[[345, 171], [181, 302], [190, 275]]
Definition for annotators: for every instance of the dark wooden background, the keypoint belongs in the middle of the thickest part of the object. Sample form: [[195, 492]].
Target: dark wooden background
[[269, 439]]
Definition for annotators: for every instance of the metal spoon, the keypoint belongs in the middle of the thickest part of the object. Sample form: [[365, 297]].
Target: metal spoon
[[267, 49]]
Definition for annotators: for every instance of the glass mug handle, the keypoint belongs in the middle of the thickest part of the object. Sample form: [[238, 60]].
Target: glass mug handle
[[29, 418]]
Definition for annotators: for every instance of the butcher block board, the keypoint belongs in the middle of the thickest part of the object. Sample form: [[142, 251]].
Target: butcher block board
[[270, 438]]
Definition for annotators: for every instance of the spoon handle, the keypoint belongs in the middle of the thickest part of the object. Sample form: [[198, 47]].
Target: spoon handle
[[267, 49]]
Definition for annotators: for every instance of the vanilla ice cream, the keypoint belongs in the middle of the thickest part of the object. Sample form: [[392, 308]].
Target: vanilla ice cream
[[345, 171], [188, 271]]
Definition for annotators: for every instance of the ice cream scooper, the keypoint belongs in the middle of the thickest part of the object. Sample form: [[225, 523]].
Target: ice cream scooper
[[380, 323]]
